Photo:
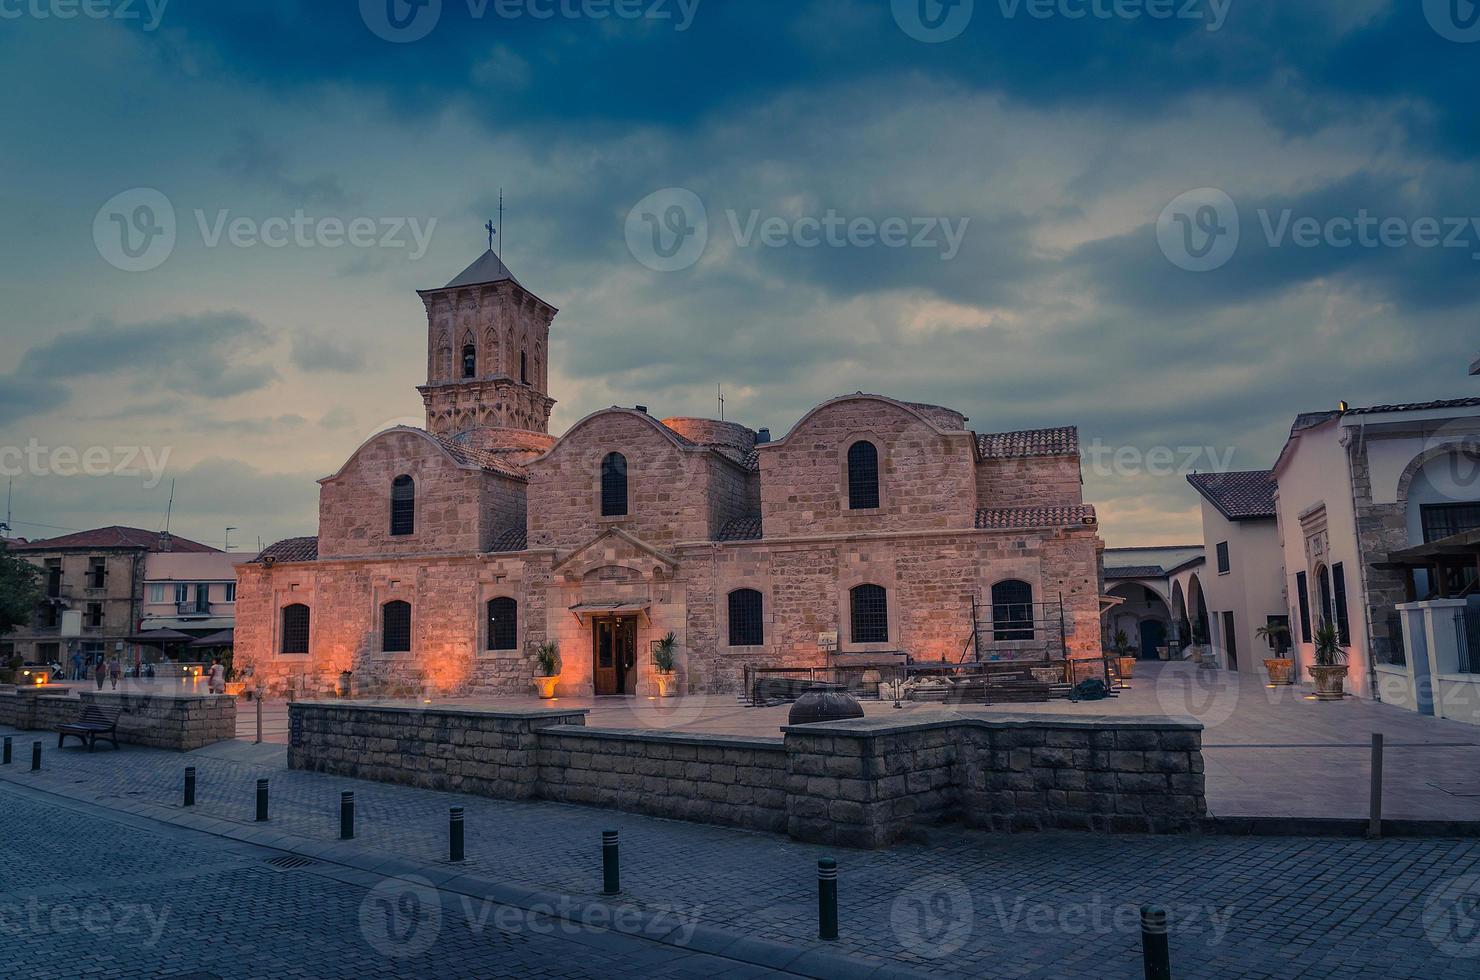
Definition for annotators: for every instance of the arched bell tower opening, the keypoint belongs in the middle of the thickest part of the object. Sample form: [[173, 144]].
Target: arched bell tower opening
[[485, 385]]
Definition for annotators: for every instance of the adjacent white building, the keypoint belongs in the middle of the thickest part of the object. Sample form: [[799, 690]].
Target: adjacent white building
[[1242, 583], [191, 593]]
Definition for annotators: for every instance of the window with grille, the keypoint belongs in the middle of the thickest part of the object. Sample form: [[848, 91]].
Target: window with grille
[[870, 619], [746, 626], [403, 506], [1012, 610], [1338, 586], [470, 361], [1302, 592], [395, 627], [97, 573], [1445, 520], [863, 476], [1223, 564], [53, 577], [295, 628], [1323, 594], [94, 614], [614, 485], [503, 622]]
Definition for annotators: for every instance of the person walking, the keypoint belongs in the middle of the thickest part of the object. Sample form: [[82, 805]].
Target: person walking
[[77, 672], [115, 671], [100, 673], [218, 677]]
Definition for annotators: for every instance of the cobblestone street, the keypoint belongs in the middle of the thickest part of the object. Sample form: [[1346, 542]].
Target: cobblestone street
[[961, 903]]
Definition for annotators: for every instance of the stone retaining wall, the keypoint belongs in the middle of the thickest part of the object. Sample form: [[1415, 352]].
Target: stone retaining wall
[[862, 783], [167, 721]]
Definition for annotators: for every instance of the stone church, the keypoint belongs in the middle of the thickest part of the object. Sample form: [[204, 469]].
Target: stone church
[[876, 530]]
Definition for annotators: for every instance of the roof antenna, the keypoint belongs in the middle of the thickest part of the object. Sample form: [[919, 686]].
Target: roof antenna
[[719, 394], [499, 254], [169, 508], [9, 490]]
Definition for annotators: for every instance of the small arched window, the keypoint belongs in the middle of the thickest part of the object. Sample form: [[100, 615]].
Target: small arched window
[[746, 626], [295, 628], [470, 361], [503, 623], [403, 506], [1012, 610], [523, 368], [870, 614], [614, 485], [863, 476], [395, 627]]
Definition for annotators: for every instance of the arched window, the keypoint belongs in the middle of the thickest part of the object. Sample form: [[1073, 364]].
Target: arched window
[[863, 476], [503, 622], [403, 506], [1323, 591], [470, 361], [614, 485], [870, 614], [1012, 610], [395, 627], [295, 628], [746, 626], [523, 368]]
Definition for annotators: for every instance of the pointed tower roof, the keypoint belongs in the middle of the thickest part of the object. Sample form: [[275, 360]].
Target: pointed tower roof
[[487, 268]]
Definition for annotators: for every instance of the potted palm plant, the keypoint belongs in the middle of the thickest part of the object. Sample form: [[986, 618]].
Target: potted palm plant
[[665, 664], [547, 662], [1281, 669], [1329, 670], [1122, 647]]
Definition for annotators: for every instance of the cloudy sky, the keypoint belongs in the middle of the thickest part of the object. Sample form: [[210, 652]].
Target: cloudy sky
[[984, 205]]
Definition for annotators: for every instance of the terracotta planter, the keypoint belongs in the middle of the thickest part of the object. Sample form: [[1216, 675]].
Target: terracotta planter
[[1127, 667], [1329, 681], [1163, 653], [667, 684], [1281, 672], [1195, 654], [547, 686]]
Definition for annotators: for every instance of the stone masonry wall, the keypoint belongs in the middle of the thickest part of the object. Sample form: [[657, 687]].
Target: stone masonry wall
[[165, 721], [1041, 481], [861, 783]]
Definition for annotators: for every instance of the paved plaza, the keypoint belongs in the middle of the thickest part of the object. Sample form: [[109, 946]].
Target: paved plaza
[[958, 903]]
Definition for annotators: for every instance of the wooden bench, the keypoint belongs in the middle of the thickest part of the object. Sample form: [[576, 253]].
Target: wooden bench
[[95, 722]]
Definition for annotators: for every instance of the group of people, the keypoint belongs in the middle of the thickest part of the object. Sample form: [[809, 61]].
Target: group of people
[[111, 670]]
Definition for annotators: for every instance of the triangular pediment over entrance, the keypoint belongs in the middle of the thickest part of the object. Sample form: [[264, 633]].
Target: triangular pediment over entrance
[[615, 546]]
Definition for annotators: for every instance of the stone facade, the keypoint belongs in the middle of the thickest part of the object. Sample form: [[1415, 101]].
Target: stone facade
[[707, 508], [181, 722], [863, 783]]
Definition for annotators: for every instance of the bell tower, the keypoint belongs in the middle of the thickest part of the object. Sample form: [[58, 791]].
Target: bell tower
[[488, 353]]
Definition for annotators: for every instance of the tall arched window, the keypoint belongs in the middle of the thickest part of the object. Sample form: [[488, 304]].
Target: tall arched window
[[295, 628], [470, 361], [863, 476], [614, 485], [1323, 591], [746, 626], [403, 506], [870, 614], [1012, 610], [395, 627], [523, 368], [503, 623]]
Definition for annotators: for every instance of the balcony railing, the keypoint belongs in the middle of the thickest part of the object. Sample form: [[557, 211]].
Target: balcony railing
[[1467, 638]]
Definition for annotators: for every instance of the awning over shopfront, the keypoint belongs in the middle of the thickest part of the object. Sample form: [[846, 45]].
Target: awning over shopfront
[[224, 638], [615, 607]]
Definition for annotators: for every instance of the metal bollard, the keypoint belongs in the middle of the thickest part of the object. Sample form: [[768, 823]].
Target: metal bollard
[[1374, 822], [1155, 955], [611, 864], [259, 719], [35, 756], [455, 838], [190, 786], [346, 815], [7, 750], [827, 899], [261, 800]]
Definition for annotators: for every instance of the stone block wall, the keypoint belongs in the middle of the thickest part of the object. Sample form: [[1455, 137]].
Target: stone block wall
[[705, 778], [164, 721], [863, 783], [1034, 481]]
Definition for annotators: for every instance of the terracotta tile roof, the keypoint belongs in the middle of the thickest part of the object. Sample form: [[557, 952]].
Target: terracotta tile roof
[[1416, 406], [116, 537], [1009, 518], [291, 549], [1239, 496], [1062, 441], [514, 539], [741, 529], [1135, 571], [490, 461]]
